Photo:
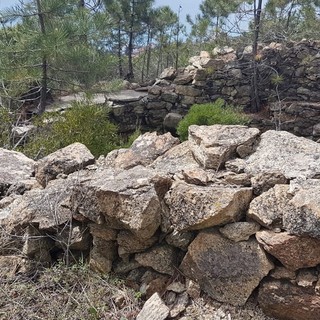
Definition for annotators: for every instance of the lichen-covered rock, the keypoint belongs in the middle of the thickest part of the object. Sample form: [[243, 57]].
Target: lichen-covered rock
[[15, 168], [292, 251], [124, 200], [191, 207], [213, 145], [228, 271], [286, 301], [177, 159], [74, 157], [285, 153], [268, 208]]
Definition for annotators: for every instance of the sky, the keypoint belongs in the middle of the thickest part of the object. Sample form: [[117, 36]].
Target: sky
[[188, 6]]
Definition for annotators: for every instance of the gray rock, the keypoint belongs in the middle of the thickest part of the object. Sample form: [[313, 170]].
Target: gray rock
[[154, 309], [66, 160], [228, 271], [283, 152], [15, 168], [239, 231], [168, 74], [192, 207], [213, 145], [179, 305], [161, 258]]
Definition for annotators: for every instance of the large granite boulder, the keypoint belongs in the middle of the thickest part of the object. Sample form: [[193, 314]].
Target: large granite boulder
[[285, 153], [74, 157], [124, 200], [192, 207], [15, 168], [284, 300], [228, 271], [213, 145]]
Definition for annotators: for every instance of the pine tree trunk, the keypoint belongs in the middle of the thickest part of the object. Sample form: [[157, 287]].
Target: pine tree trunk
[[44, 65]]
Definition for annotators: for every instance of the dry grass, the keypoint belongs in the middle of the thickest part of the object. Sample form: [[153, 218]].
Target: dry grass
[[67, 293]]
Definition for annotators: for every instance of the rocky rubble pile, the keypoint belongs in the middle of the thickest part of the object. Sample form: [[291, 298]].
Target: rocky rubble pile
[[231, 212]]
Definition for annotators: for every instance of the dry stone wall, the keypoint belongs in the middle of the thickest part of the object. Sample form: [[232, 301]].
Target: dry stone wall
[[231, 212], [288, 77]]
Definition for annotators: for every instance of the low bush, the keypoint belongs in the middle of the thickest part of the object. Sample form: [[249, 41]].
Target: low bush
[[85, 123], [209, 114]]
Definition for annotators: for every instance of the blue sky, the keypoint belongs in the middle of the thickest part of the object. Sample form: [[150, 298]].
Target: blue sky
[[188, 6]]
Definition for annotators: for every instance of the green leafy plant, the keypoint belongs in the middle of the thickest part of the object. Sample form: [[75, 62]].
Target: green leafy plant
[[277, 79], [84, 122], [209, 114]]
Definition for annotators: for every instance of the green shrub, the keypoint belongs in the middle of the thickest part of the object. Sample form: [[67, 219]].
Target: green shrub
[[209, 114], [5, 127], [85, 123]]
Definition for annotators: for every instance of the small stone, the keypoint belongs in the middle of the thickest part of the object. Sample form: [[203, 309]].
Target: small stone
[[177, 287], [307, 277], [193, 289], [179, 305], [239, 231], [154, 309]]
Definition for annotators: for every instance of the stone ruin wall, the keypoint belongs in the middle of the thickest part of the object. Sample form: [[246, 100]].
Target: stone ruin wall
[[289, 84], [232, 212]]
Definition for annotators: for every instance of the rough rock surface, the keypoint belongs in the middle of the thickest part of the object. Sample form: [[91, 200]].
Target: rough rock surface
[[292, 251], [268, 209], [194, 207], [66, 160], [125, 200], [162, 258], [228, 271], [154, 309], [213, 145], [283, 152], [15, 168], [144, 150], [286, 301], [239, 231]]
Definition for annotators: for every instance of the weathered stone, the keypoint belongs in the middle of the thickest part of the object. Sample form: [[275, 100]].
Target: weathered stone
[[282, 273], [228, 271], [264, 181], [213, 145], [183, 78], [193, 289], [103, 231], [175, 160], [283, 152], [235, 165], [162, 258], [11, 266], [268, 209], [155, 90], [302, 216], [195, 176], [222, 50], [168, 73], [66, 160], [241, 179], [179, 305], [102, 255], [171, 121], [239, 231], [187, 91], [154, 309], [176, 287], [180, 240], [144, 150], [292, 251], [47, 208], [131, 243], [126, 200], [169, 96], [15, 168], [196, 207], [307, 277], [286, 301]]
